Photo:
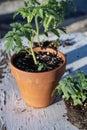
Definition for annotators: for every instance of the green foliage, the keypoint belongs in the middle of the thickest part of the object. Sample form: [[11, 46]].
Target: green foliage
[[43, 66], [48, 14], [74, 88]]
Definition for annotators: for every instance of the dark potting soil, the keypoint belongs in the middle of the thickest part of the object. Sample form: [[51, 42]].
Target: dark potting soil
[[48, 61], [77, 115], [47, 44]]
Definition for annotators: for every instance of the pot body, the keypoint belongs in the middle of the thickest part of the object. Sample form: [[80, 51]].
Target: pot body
[[36, 88]]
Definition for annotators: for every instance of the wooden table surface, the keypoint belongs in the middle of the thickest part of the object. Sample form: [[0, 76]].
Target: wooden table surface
[[16, 115]]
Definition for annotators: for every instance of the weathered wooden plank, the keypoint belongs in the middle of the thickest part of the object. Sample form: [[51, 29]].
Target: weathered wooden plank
[[16, 115]]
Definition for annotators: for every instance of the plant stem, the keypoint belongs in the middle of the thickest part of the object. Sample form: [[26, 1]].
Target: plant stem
[[33, 54], [37, 28], [48, 23]]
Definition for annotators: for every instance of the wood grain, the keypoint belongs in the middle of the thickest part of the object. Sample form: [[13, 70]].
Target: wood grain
[[16, 115]]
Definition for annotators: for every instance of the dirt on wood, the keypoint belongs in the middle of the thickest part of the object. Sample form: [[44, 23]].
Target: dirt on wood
[[77, 115]]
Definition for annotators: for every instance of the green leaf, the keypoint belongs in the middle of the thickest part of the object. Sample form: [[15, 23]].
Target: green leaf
[[18, 41], [40, 13], [26, 33], [73, 88], [28, 26], [55, 32], [63, 30], [9, 34], [44, 3], [23, 11], [16, 49], [83, 97], [40, 66], [9, 44], [15, 14], [18, 32], [51, 12], [77, 102], [16, 25]]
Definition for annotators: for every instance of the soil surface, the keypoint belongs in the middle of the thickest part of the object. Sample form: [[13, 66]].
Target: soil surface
[[46, 61], [77, 115], [49, 44]]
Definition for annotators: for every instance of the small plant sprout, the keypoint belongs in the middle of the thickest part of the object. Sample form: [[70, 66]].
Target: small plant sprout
[[48, 15], [74, 88]]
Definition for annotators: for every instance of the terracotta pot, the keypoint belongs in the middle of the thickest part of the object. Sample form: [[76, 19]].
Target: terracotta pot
[[36, 88]]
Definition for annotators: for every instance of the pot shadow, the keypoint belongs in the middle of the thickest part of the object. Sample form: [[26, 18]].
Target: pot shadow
[[76, 54], [73, 73], [57, 99]]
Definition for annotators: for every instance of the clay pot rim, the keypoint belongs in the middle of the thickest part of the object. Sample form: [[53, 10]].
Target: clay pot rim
[[60, 67]]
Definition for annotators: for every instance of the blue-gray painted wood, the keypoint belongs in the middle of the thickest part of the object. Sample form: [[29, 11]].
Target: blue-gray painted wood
[[15, 114]]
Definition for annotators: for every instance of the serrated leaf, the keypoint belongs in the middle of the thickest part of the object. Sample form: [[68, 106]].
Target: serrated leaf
[[26, 33], [23, 12], [72, 87], [40, 13], [28, 26], [18, 41], [16, 49], [34, 12], [9, 34], [16, 25], [29, 17], [9, 44], [77, 102]]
